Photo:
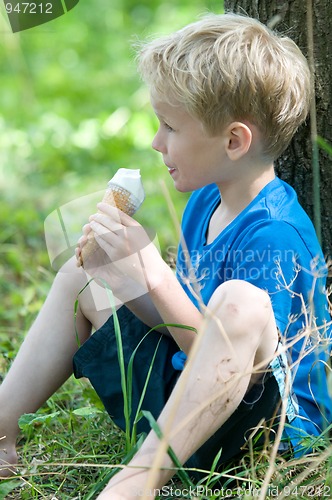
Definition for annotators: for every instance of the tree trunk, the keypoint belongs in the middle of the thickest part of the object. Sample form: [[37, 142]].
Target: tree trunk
[[295, 164]]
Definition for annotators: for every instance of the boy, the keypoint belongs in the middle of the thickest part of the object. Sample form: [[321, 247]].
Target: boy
[[229, 95]]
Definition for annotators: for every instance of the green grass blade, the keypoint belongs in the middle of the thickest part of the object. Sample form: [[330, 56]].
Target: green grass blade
[[323, 144], [184, 477], [118, 339], [97, 488], [76, 309], [138, 411]]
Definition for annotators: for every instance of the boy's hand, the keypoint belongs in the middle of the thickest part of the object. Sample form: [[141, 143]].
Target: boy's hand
[[126, 257]]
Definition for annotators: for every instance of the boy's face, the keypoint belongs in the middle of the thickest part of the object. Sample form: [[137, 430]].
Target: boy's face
[[193, 158]]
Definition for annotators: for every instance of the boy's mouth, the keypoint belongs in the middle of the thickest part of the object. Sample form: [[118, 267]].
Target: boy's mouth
[[171, 170]]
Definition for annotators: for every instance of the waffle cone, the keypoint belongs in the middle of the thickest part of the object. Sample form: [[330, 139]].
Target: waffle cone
[[116, 197]]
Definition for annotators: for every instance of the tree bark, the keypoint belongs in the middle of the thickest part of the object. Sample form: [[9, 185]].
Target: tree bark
[[295, 164]]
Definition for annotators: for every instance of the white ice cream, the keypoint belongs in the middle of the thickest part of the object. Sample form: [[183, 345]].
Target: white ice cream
[[129, 179]]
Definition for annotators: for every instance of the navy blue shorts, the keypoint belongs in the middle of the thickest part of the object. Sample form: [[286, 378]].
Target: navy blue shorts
[[97, 360]]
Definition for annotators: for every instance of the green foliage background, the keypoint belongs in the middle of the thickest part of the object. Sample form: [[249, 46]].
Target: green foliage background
[[72, 111]]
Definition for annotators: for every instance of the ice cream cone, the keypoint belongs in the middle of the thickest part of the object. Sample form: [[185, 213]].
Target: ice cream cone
[[125, 192]]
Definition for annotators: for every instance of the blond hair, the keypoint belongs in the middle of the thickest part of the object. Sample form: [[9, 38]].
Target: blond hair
[[231, 67]]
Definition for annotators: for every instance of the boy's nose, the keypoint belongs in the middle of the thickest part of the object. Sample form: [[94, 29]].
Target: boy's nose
[[158, 144]]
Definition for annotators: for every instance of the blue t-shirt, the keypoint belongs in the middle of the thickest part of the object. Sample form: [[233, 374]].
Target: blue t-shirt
[[271, 244]]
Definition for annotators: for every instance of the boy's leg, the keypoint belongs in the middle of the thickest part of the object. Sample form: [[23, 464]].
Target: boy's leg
[[44, 360], [212, 385]]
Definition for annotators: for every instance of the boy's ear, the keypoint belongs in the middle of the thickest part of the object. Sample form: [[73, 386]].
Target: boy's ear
[[239, 141]]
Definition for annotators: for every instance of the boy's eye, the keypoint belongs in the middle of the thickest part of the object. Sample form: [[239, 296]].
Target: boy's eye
[[168, 127]]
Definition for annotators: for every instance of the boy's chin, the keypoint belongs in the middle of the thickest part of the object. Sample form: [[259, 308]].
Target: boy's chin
[[182, 189]]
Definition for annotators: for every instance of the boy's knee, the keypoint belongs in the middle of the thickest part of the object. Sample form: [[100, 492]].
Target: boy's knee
[[241, 316], [70, 277], [93, 300], [241, 301], [70, 282]]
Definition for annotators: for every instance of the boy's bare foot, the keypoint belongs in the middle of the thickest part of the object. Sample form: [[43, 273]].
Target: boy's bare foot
[[8, 459]]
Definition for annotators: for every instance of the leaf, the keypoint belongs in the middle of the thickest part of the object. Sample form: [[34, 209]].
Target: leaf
[[6, 487], [28, 420], [86, 411]]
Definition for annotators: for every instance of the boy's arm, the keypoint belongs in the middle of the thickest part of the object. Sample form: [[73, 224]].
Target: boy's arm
[[132, 266]]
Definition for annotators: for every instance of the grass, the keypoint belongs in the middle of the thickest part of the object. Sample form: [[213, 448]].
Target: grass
[[70, 453], [70, 448], [49, 447]]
